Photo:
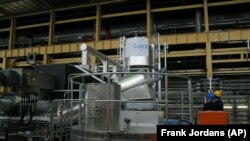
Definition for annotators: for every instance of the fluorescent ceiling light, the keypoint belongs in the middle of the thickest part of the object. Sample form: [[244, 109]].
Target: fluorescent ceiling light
[[228, 107], [242, 107]]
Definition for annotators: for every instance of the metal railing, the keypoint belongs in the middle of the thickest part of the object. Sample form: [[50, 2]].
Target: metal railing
[[66, 113]]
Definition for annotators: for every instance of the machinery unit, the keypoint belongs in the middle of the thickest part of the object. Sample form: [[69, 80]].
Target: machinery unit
[[27, 89], [121, 101]]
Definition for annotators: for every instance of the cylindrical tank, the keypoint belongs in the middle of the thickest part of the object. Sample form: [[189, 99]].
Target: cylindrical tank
[[102, 116], [137, 52]]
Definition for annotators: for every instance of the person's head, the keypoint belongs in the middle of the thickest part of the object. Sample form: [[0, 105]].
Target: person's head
[[210, 96], [217, 93]]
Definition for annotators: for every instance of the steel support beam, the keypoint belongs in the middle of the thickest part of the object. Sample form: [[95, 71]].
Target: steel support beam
[[206, 20], [4, 63], [4, 29], [177, 8], [124, 14], [209, 66], [51, 28], [33, 25], [202, 37], [229, 51], [67, 8], [7, 63], [97, 30], [232, 71], [75, 20], [12, 35], [229, 60], [149, 23], [46, 59], [228, 2], [98, 23], [66, 60], [189, 38], [139, 12]]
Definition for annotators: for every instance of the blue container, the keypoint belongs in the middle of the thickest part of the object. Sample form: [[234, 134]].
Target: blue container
[[176, 122]]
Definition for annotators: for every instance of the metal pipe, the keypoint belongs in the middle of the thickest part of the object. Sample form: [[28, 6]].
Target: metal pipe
[[85, 56], [248, 44], [153, 56], [108, 107], [153, 62], [75, 90], [80, 102], [77, 75], [51, 133], [198, 20], [85, 71], [190, 100], [104, 132], [165, 54], [210, 84], [67, 111], [122, 52], [105, 66], [159, 64], [123, 101], [147, 81], [166, 97], [85, 47], [179, 76], [71, 101]]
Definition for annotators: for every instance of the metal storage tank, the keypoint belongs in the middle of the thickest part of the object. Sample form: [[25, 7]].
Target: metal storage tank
[[137, 51]]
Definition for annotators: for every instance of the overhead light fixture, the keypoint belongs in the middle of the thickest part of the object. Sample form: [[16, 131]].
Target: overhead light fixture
[[236, 41], [242, 107], [228, 107]]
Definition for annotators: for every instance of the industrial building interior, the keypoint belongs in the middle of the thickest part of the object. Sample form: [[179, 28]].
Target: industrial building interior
[[100, 70]]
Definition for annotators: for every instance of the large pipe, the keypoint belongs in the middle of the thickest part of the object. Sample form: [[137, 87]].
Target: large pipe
[[147, 81], [86, 50], [131, 87]]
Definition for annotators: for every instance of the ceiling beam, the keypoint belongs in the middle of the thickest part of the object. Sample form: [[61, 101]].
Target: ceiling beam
[[7, 1], [46, 3], [228, 2], [41, 5], [4, 12]]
